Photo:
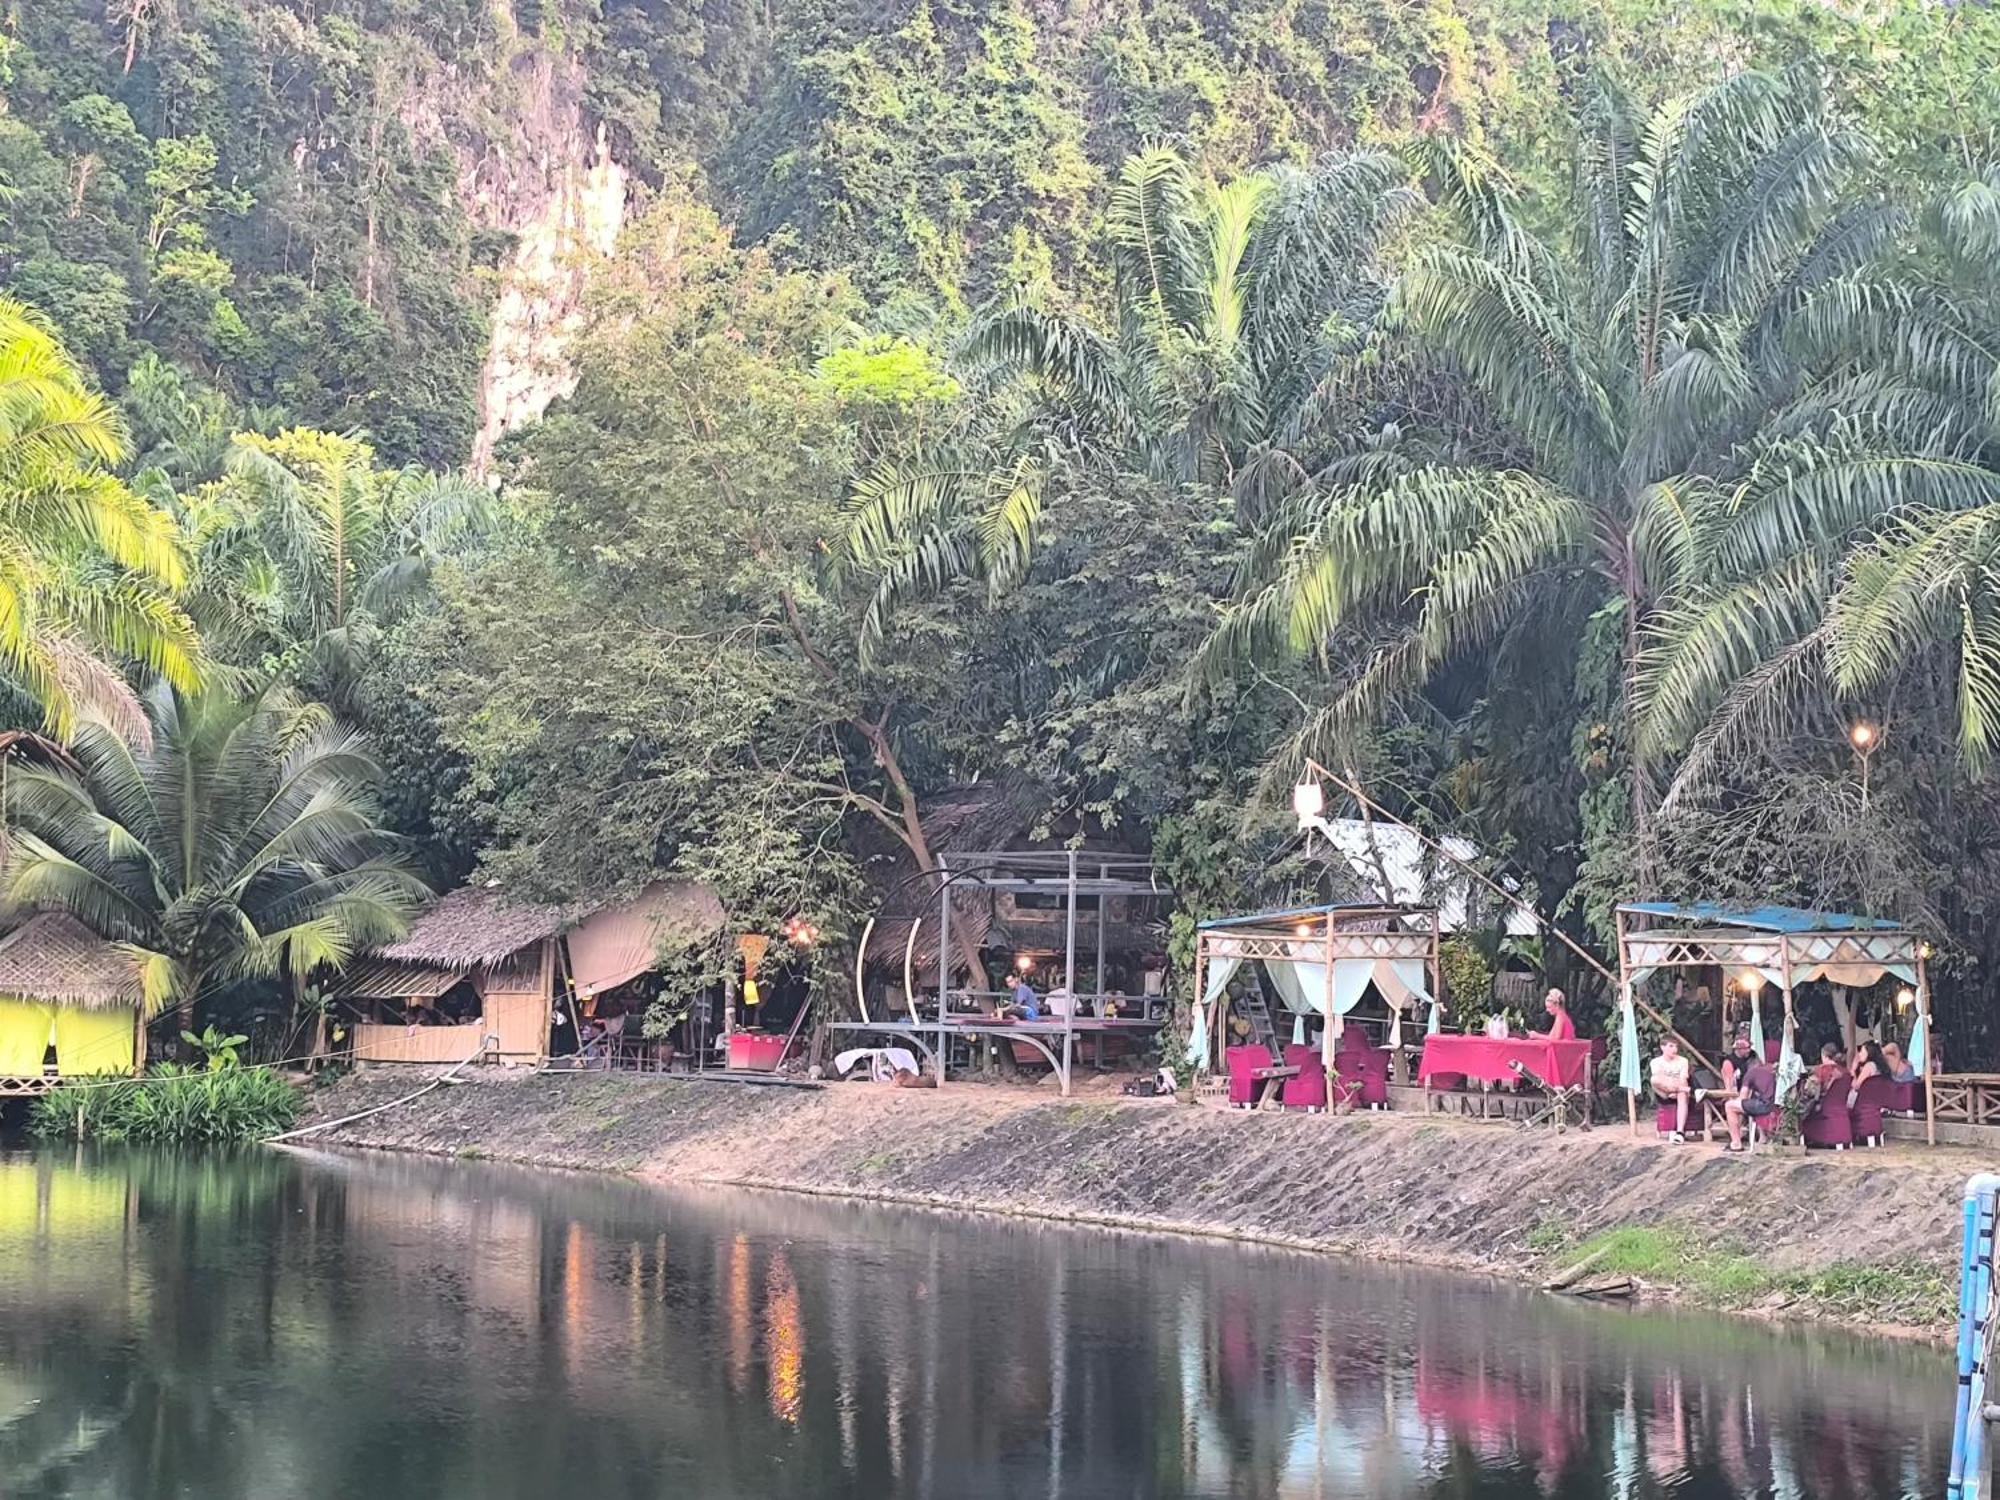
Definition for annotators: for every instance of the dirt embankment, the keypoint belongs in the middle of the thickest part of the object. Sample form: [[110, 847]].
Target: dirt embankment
[[1864, 1237]]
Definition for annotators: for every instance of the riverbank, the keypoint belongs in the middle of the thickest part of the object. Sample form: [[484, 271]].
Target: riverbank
[[1864, 1238]]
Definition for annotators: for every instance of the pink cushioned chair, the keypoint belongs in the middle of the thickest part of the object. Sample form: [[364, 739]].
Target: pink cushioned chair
[[1242, 1061], [1364, 1075], [1828, 1123], [1873, 1097], [1308, 1090]]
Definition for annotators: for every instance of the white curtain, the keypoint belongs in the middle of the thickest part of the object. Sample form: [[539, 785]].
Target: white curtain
[[1220, 972]]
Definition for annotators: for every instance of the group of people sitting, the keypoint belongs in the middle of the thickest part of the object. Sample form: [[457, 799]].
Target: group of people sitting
[[1749, 1083]]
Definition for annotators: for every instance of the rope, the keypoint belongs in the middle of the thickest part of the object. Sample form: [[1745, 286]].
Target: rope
[[438, 1082]]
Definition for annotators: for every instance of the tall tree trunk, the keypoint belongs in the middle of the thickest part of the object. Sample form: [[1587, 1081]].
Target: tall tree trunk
[[1641, 790], [913, 832]]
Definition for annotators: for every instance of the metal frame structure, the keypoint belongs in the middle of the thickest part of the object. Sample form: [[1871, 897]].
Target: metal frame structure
[[1318, 934], [1068, 873], [1794, 944]]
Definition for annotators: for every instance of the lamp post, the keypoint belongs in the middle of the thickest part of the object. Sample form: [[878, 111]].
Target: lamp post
[[1864, 737]]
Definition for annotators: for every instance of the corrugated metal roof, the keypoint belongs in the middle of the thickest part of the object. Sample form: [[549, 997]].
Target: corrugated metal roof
[[1760, 918], [1295, 914]]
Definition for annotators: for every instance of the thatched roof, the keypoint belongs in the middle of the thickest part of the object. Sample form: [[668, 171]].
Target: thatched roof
[[983, 815], [475, 925], [55, 958], [377, 979]]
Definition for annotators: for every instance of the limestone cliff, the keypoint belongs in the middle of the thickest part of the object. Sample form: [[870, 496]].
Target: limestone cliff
[[535, 171]]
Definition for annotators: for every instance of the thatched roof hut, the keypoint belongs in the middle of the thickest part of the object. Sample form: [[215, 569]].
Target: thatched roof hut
[[55, 958], [474, 925], [64, 987], [511, 952]]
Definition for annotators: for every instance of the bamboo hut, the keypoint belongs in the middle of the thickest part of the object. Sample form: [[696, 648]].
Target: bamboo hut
[[482, 965], [69, 1006]]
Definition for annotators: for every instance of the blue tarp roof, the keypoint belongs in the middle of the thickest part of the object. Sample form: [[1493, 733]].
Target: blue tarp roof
[[1299, 913], [1760, 918]]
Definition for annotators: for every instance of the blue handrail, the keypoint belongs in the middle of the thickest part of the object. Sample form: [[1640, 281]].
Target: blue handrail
[[1977, 1327]]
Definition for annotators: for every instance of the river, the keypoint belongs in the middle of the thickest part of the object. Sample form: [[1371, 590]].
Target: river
[[277, 1325]]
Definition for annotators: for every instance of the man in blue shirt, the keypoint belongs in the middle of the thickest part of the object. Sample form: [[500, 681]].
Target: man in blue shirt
[[1022, 1007]]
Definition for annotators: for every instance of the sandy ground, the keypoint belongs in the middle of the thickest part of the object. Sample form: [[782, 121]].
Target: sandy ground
[[1481, 1195]]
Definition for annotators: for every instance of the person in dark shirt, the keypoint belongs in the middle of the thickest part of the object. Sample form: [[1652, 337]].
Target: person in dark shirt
[[1735, 1061], [1756, 1098]]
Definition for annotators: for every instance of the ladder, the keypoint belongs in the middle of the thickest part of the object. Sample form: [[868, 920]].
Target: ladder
[[1262, 1027]]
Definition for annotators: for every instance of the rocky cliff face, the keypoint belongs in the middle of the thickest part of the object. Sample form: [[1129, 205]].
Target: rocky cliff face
[[539, 174]]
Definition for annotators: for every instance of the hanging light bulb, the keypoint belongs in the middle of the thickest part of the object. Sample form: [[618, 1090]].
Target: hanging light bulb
[[1308, 801]]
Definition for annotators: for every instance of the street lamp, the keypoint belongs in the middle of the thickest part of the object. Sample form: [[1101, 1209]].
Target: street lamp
[[1864, 737]]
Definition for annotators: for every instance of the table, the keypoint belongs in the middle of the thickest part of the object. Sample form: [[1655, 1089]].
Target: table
[[1560, 1064], [1271, 1082]]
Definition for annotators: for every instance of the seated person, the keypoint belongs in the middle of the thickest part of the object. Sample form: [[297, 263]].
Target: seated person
[[1829, 1066], [1673, 1084], [1561, 1027], [1022, 1007], [1900, 1068], [1736, 1061], [1059, 1001], [1869, 1062], [1756, 1098]]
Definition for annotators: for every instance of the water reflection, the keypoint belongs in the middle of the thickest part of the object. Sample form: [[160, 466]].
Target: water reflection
[[333, 1326]]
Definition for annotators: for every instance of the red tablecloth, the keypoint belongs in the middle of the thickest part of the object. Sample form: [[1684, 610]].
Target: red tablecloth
[[1565, 1063]]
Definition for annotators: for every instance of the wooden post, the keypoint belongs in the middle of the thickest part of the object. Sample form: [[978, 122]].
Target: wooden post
[[1930, 1048], [139, 1040], [1625, 998], [1069, 977], [1788, 1041], [944, 965], [1329, 1034], [1200, 988]]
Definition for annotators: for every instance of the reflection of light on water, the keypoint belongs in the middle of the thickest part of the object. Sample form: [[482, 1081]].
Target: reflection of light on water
[[737, 1282], [784, 1339], [576, 1340]]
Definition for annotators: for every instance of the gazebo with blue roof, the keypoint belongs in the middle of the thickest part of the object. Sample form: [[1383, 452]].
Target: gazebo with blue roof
[[1781, 945]]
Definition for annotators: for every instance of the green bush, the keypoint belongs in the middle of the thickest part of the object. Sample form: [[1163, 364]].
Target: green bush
[[171, 1106]]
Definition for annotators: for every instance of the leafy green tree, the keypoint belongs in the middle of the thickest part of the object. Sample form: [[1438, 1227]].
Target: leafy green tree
[[303, 547], [1240, 313], [87, 569], [242, 842]]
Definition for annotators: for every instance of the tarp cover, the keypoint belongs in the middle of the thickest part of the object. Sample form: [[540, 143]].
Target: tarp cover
[[623, 942]]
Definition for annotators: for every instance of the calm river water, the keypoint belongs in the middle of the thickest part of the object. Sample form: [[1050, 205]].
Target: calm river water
[[330, 1326]]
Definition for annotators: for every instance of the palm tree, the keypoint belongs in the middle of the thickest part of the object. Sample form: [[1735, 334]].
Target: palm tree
[[1688, 466], [303, 545], [1241, 311], [1930, 582], [242, 842], [87, 569]]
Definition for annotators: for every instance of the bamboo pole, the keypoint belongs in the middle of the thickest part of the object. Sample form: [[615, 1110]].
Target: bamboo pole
[[1511, 899], [1625, 997], [1930, 1047], [1329, 1034]]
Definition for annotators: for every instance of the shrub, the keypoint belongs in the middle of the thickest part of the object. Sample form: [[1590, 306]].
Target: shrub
[[171, 1106]]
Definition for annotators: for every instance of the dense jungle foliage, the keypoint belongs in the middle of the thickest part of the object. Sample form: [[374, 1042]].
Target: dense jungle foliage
[[1570, 419]]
